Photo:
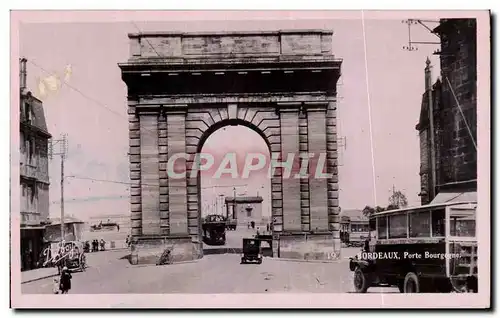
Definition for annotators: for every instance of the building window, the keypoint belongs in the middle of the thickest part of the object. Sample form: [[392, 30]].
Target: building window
[[27, 112], [382, 227], [438, 222], [31, 149], [397, 226], [420, 224]]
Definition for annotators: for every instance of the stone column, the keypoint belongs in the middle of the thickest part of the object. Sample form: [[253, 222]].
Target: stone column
[[135, 170], [289, 120], [333, 182], [317, 183], [163, 159], [150, 178], [177, 187], [304, 180]]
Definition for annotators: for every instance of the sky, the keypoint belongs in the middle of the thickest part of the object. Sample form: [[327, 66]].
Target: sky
[[92, 109]]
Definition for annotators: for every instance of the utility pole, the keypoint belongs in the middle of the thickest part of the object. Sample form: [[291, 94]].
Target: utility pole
[[63, 143]]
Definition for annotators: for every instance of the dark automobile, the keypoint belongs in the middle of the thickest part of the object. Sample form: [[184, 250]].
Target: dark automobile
[[432, 248], [214, 230], [252, 251]]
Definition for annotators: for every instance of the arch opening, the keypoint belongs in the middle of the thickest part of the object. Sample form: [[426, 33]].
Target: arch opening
[[241, 197]]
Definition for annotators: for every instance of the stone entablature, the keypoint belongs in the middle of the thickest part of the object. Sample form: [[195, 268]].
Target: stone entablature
[[191, 45]]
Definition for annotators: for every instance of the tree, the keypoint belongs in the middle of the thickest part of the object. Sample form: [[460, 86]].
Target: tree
[[398, 200], [392, 207], [368, 211]]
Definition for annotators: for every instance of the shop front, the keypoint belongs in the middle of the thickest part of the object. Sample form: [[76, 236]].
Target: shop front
[[31, 247]]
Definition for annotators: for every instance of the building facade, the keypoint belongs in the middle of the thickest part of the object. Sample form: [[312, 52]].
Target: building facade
[[448, 121], [244, 209], [34, 173]]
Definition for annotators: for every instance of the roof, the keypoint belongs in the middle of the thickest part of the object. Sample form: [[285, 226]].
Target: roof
[[256, 199], [423, 207], [454, 196], [231, 33], [67, 219], [447, 25], [38, 120]]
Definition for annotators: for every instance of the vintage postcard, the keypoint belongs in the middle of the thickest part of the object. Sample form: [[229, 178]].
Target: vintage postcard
[[232, 159]]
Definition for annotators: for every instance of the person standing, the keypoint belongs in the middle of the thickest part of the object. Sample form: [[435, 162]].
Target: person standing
[[65, 280]]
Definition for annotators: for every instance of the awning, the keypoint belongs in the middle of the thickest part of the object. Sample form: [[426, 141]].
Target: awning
[[33, 228], [449, 196]]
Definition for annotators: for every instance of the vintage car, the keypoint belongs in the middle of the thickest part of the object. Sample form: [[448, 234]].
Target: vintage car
[[75, 258], [252, 251], [431, 248], [214, 230], [231, 224], [69, 253]]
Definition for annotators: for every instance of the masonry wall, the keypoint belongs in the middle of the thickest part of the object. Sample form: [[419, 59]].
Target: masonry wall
[[456, 151], [425, 167]]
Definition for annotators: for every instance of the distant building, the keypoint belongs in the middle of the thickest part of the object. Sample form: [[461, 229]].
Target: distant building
[[34, 173], [448, 121], [354, 221], [73, 230], [244, 209]]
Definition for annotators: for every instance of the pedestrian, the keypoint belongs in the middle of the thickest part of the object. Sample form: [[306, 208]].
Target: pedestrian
[[253, 225], [103, 245], [65, 281], [366, 247], [267, 227]]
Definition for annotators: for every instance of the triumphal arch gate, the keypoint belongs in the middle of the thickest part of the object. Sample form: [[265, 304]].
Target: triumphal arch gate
[[184, 86]]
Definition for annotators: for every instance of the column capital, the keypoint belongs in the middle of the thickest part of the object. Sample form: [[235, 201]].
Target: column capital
[[315, 106], [174, 109], [141, 109], [287, 107]]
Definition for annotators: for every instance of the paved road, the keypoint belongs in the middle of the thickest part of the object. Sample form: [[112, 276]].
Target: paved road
[[213, 274]]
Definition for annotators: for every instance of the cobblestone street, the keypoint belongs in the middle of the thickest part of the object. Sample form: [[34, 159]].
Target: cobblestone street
[[109, 274]]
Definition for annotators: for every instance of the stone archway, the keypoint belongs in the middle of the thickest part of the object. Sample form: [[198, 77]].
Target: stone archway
[[182, 87]]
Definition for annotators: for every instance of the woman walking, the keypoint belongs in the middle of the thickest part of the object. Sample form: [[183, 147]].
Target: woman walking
[[65, 280]]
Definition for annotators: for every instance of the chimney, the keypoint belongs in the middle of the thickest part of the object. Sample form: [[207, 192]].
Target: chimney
[[22, 71]]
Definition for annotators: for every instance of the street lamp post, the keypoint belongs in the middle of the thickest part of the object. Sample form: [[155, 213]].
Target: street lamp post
[[221, 196]]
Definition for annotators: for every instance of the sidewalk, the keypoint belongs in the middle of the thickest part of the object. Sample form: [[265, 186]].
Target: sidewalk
[[37, 274]]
